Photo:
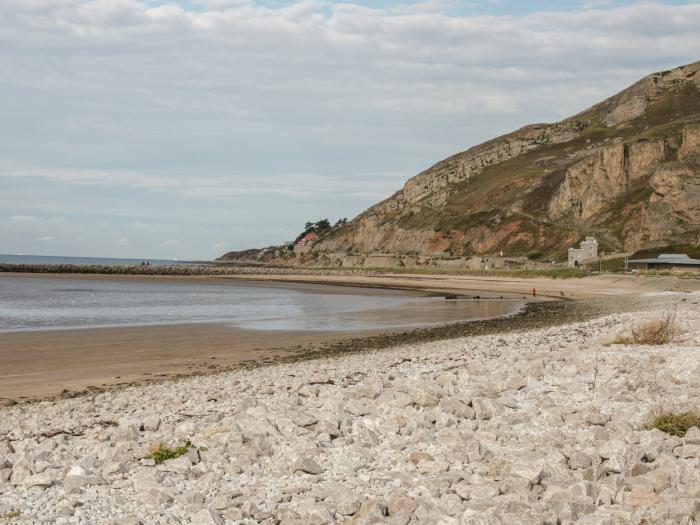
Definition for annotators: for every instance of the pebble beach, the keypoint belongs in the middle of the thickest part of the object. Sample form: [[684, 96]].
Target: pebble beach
[[536, 427]]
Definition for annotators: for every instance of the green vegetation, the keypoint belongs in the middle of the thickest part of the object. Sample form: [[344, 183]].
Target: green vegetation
[[11, 515], [654, 122], [165, 453], [675, 424], [462, 222]]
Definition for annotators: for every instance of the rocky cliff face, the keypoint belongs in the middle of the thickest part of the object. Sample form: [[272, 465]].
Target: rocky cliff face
[[627, 169]]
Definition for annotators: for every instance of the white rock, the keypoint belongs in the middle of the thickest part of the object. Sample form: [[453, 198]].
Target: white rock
[[179, 465], [303, 419], [371, 512], [307, 465], [43, 480], [316, 514], [692, 436], [529, 469], [357, 408], [76, 470], [206, 517]]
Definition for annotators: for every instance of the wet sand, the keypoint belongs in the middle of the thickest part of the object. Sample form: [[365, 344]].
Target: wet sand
[[41, 364]]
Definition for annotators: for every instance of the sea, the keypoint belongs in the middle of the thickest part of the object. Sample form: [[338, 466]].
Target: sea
[[32, 302]]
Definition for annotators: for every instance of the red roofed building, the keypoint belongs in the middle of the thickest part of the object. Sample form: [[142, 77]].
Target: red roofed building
[[307, 239]]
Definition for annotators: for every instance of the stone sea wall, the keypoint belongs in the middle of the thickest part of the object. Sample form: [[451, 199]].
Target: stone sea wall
[[175, 270]]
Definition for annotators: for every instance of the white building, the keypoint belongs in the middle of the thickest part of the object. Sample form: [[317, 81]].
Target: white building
[[587, 251]]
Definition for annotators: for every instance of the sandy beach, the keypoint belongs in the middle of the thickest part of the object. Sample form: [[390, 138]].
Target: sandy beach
[[575, 288]]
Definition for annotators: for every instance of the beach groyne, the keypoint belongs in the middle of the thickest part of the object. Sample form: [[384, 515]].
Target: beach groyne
[[174, 270]]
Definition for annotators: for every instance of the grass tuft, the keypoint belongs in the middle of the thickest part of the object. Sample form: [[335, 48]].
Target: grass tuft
[[674, 424], [13, 514], [165, 453], [654, 332]]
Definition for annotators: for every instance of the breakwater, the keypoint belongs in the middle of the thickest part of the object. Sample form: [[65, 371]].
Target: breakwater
[[175, 270]]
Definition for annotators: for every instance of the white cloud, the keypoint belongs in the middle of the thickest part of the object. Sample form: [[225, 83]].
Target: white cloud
[[22, 218], [122, 240], [122, 178]]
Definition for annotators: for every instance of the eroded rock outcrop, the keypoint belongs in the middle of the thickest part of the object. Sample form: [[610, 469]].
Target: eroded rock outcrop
[[676, 186], [590, 184]]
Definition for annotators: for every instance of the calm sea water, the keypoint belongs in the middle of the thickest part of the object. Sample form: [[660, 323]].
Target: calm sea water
[[36, 303], [51, 259]]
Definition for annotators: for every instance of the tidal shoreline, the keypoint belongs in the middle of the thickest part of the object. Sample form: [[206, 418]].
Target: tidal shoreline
[[67, 363]]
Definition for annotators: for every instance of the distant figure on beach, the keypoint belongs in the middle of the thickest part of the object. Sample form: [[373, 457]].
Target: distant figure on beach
[[534, 292]]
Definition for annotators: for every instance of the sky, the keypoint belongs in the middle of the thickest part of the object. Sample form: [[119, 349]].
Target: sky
[[185, 129]]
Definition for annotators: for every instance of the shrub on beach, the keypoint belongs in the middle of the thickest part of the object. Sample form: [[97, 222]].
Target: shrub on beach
[[164, 453], [674, 424], [653, 332]]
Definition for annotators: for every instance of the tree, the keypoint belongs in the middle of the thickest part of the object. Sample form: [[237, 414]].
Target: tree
[[323, 224]]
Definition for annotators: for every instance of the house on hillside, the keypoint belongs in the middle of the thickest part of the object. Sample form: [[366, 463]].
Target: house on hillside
[[672, 262], [304, 244], [587, 251], [309, 238]]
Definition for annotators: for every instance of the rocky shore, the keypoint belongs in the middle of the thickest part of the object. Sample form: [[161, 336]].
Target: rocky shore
[[544, 426]]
